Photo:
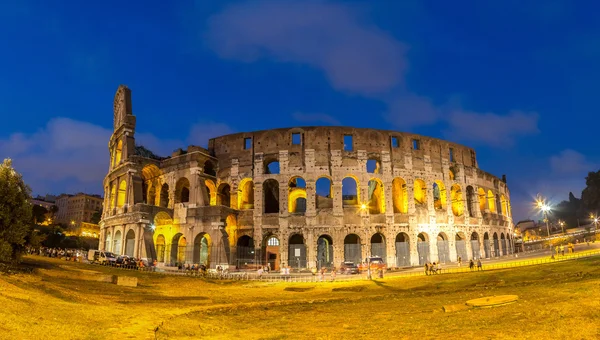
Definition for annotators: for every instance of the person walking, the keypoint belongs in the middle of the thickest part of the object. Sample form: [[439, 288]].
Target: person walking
[[427, 268], [471, 264], [479, 265], [459, 261], [562, 249]]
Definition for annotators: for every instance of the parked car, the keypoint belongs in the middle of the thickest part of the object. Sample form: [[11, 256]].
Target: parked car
[[102, 257], [375, 262], [348, 267], [126, 261]]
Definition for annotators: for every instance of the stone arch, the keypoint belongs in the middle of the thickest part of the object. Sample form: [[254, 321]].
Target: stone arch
[[443, 247], [122, 193], [491, 201], [376, 196], [178, 249], [475, 248], [503, 244], [402, 250], [202, 249], [130, 242], [373, 166], [270, 196], [486, 245], [420, 192], [224, 195], [211, 191], [246, 194], [182, 190], [378, 246], [164, 195], [350, 191], [482, 199], [458, 207], [470, 200], [209, 168], [439, 195], [271, 251], [272, 166], [323, 193], [423, 248], [118, 153], [245, 251], [297, 195], [496, 251], [504, 205], [352, 248], [160, 245], [325, 257], [460, 244], [297, 251], [117, 243], [399, 196]]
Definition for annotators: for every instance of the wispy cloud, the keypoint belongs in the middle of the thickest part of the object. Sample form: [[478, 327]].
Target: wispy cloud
[[569, 162], [304, 117]]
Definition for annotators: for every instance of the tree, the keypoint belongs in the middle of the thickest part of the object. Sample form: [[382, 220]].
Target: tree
[[39, 213], [96, 217], [591, 194], [15, 212]]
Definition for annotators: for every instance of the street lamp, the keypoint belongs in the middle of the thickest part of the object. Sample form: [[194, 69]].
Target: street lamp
[[545, 208], [562, 226]]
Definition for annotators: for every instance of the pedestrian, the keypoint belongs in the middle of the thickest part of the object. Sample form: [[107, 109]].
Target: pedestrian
[[479, 265], [562, 249], [471, 264], [260, 272], [427, 268], [459, 261], [333, 274], [381, 273]]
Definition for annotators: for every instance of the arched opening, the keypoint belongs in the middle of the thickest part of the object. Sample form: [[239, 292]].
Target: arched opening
[[130, 242], [496, 251], [178, 246], [378, 246], [209, 168], [402, 250], [350, 195], [246, 256], [297, 195], [324, 251], [202, 244], [271, 196], [151, 196], [491, 201], [423, 248], [486, 245], [182, 190], [439, 195], [117, 243], [352, 249], [272, 167], [297, 251], [373, 166], [246, 194], [160, 248], [504, 205], [118, 153], [164, 195], [475, 248], [121, 194], [470, 196], [323, 196], [113, 196], [211, 193], [271, 245], [107, 242], [499, 205], [482, 200], [458, 207], [224, 195], [503, 244], [443, 247], [460, 243], [399, 196], [420, 192], [376, 197]]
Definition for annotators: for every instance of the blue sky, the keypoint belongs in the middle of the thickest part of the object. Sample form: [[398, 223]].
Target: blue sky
[[516, 80]]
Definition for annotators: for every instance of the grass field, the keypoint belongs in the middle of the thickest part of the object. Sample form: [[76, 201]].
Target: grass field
[[560, 300]]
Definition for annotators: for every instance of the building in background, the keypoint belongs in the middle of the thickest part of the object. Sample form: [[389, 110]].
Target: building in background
[[80, 213]]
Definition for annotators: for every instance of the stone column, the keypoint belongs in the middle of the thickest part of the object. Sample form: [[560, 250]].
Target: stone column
[[311, 210], [311, 250], [336, 188]]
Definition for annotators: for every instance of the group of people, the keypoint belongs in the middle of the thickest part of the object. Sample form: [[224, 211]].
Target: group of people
[[67, 254], [432, 268], [472, 265]]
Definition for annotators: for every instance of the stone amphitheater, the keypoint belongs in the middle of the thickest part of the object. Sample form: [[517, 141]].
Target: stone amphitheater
[[302, 197]]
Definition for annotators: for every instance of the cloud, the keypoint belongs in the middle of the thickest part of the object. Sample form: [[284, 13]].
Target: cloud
[[569, 162], [412, 110], [491, 128], [315, 117], [356, 56], [200, 133]]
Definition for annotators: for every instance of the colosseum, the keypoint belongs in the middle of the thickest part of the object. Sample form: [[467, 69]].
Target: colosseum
[[302, 197]]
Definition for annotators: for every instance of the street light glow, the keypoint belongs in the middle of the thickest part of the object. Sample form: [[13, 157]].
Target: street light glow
[[363, 206]]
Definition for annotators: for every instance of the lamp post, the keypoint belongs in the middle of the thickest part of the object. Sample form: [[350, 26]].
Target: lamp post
[[562, 226], [545, 208]]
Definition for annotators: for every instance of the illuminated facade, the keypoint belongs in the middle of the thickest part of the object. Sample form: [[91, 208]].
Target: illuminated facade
[[76, 212], [305, 197]]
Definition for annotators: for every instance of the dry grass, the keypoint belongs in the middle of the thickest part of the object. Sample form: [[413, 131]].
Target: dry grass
[[556, 301]]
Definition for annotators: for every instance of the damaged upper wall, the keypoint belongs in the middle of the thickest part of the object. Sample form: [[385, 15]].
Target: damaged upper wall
[[323, 140]]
